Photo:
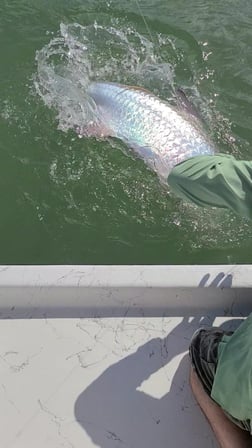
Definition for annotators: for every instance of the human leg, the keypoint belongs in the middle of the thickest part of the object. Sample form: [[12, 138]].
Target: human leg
[[229, 432]]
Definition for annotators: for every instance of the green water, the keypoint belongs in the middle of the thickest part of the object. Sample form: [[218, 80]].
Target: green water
[[70, 200]]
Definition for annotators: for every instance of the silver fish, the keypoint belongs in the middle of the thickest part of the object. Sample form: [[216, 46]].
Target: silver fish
[[160, 134]]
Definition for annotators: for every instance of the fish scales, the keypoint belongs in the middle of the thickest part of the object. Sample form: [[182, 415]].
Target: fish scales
[[157, 132]]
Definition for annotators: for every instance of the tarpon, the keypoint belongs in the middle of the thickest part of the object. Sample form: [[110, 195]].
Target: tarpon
[[159, 133]]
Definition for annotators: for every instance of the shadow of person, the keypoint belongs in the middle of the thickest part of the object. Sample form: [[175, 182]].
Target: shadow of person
[[221, 280], [114, 412]]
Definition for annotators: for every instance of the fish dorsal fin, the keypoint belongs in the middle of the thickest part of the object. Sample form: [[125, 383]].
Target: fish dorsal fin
[[187, 105]]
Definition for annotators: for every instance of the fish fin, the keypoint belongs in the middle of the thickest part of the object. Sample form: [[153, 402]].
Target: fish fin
[[94, 129], [153, 161], [187, 105]]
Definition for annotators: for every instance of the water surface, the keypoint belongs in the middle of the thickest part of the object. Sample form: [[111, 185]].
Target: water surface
[[71, 200]]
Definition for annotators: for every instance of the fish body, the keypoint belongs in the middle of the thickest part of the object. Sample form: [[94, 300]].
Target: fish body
[[160, 134]]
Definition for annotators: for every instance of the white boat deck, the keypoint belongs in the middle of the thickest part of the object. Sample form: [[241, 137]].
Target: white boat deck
[[98, 356]]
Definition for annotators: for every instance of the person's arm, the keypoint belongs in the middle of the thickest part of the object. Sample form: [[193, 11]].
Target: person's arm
[[215, 181], [227, 433]]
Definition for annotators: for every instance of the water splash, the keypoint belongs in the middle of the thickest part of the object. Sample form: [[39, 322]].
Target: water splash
[[78, 55]]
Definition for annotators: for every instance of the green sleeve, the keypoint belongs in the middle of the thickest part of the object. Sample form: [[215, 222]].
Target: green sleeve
[[232, 386], [216, 181]]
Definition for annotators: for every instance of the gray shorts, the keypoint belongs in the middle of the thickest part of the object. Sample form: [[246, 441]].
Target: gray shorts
[[203, 352]]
